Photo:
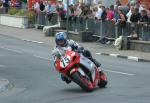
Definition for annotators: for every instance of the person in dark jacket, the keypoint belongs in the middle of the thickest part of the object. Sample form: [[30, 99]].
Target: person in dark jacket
[[143, 16], [42, 6], [104, 14], [143, 21], [148, 14], [134, 20], [148, 24], [85, 12], [135, 16]]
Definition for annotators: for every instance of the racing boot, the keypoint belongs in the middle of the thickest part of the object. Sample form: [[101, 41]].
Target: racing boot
[[65, 78], [102, 79]]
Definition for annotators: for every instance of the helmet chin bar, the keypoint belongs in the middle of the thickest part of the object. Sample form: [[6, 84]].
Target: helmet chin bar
[[62, 44]]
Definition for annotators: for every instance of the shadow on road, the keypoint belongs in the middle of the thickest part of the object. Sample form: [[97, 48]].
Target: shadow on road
[[79, 90]]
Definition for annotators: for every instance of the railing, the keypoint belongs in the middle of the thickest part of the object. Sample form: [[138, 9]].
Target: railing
[[110, 29], [42, 19], [98, 27], [3, 10]]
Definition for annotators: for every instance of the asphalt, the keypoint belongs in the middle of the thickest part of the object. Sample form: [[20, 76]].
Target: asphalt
[[4, 84], [35, 35], [26, 63]]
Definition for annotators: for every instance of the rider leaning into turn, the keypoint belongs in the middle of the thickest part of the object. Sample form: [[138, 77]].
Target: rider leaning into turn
[[62, 42]]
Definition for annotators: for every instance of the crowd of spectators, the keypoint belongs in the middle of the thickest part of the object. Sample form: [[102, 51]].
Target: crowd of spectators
[[133, 12], [119, 14], [10, 3]]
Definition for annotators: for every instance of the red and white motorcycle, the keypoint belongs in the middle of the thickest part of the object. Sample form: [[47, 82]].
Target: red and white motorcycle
[[79, 69]]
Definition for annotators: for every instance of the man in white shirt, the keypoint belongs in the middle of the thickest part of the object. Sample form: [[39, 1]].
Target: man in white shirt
[[98, 14], [129, 14]]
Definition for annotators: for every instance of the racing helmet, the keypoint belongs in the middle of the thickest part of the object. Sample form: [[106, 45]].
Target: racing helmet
[[61, 39]]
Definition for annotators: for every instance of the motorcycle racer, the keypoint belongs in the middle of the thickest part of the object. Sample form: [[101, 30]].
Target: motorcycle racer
[[62, 43]]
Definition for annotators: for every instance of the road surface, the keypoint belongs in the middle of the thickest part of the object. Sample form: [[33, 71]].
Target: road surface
[[29, 68]]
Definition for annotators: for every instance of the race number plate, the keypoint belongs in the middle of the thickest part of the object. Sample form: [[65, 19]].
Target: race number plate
[[65, 61]]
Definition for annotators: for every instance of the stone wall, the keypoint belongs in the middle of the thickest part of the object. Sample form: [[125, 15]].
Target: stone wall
[[14, 21], [143, 46]]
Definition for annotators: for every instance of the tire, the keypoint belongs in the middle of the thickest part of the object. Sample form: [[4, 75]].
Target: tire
[[83, 82]]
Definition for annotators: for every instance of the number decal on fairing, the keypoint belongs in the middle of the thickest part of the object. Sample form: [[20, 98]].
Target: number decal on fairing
[[65, 61]]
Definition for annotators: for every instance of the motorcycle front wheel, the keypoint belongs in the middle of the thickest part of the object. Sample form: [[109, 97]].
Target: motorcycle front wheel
[[82, 81]]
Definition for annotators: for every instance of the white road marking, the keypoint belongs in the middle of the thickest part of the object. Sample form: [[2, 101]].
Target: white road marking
[[42, 57], [129, 74], [37, 42], [98, 53], [114, 55], [133, 58], [32, 41], [12, 50]]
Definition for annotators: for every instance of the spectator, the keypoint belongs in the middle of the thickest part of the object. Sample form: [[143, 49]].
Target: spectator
[[148, 14], [6, 3], [110, 13], [116, 14], [94, 10], [77, 8], [122, 20], [95, 2], [130, 13], [42, 6], [143, 16], [104, 14], [140, 6], [135, 15], [47, 10], [1, 4], [125, 9], [85, 12], [121, 15], [61, 10], [144, 21], [134, 20], [71, 12], [36, 7], [47, 6], [148, 25], [18, 4], [118, 3], [98, 12]]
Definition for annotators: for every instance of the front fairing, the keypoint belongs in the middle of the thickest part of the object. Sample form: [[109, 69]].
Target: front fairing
[[66, 62]]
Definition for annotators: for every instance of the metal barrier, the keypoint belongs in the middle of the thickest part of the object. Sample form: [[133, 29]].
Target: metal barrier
[[144, 33], [98, 27], [77, 24], [109, 28], [3, 10], [42, 19]]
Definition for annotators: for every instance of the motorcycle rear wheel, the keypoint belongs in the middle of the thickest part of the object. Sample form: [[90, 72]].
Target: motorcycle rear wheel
[[83, 82]]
